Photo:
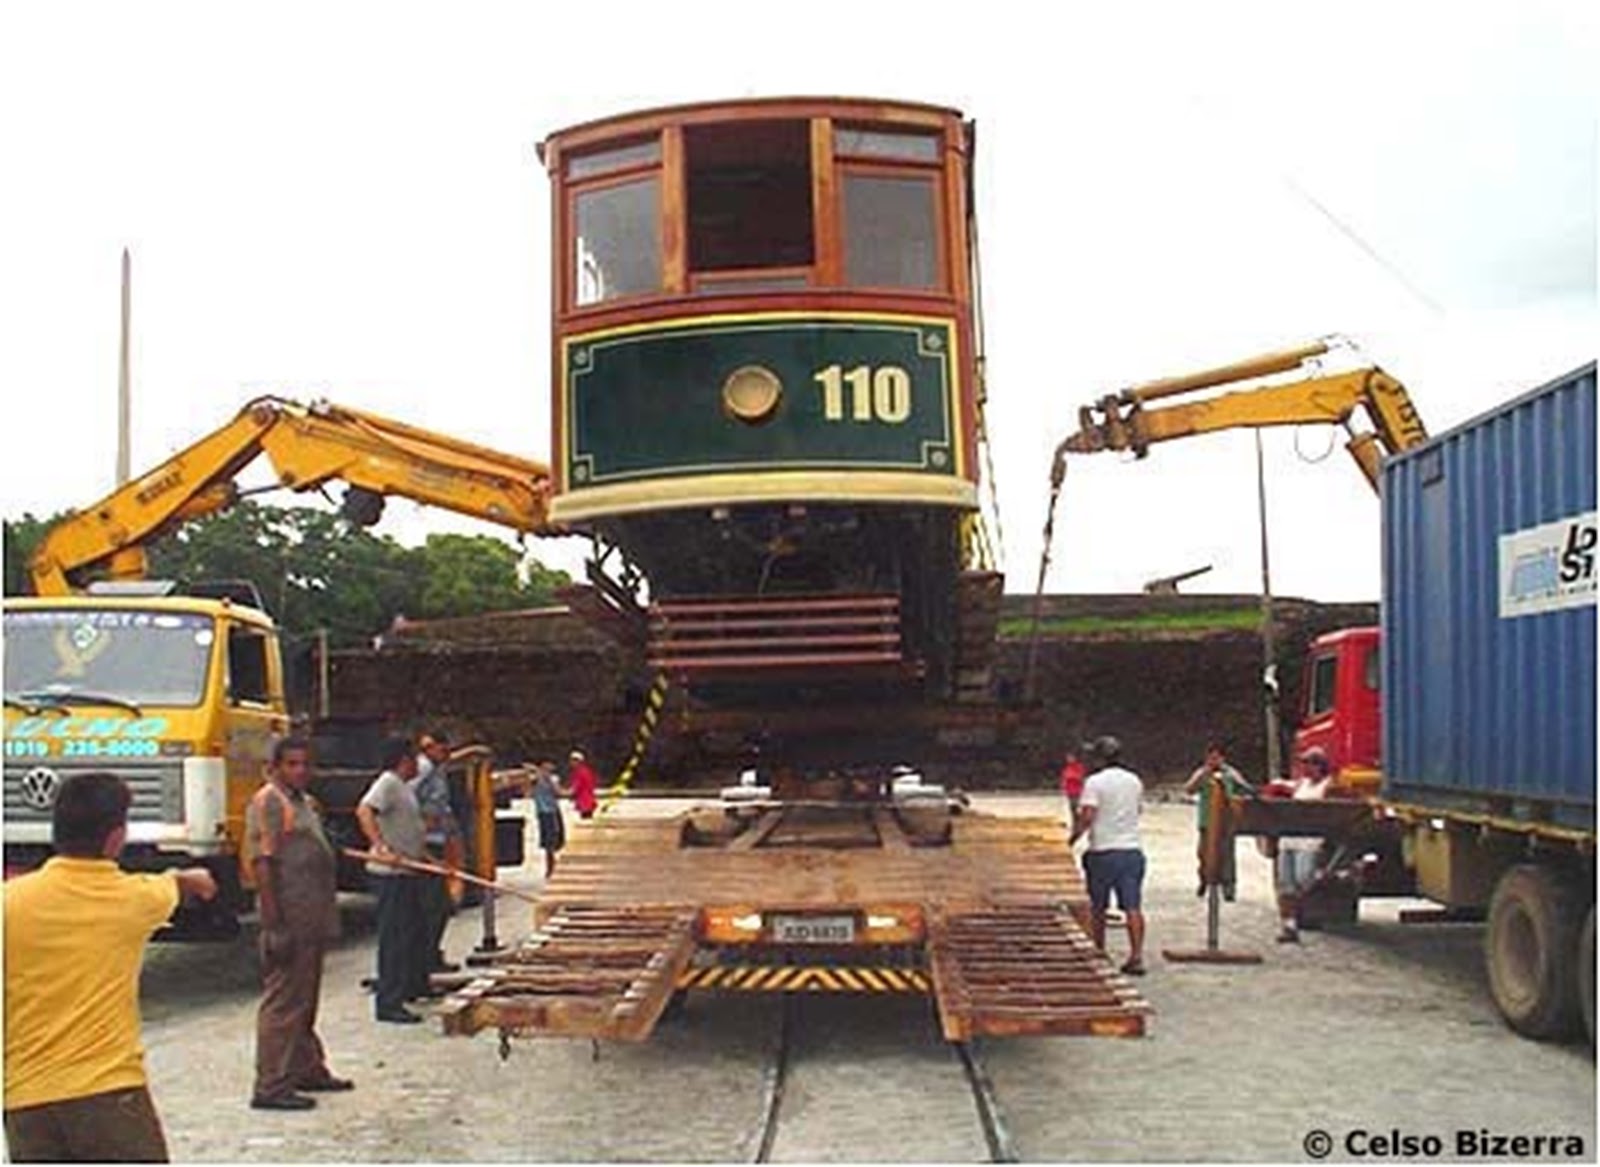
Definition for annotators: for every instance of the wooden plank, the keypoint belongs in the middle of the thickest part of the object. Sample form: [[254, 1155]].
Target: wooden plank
[[772, 661], [645, 1001], [776, 641], [740, 623], [872, 602], [754, 836]]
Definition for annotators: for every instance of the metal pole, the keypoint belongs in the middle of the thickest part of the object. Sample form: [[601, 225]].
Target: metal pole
[[1269, 654], [482, 779], [324, 698], [124, 386]]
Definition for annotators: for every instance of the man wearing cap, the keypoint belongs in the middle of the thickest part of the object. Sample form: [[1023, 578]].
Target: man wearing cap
[[584, 783], [1108, 812], [1296, 868]]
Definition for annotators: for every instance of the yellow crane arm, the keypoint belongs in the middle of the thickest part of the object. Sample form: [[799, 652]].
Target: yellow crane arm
[[1127, 420], [307, 446]]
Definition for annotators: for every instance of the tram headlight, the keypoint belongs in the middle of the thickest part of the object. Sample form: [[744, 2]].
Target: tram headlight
[[751, 393]]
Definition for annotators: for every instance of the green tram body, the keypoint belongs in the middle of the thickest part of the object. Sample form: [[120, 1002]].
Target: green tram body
[[763, 359]]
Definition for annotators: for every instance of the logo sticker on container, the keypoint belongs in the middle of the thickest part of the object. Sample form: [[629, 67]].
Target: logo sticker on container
[[1548, 567]]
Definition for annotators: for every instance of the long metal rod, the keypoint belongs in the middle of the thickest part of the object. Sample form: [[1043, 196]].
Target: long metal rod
[[400, 861], [124, 377], [1269, 650]]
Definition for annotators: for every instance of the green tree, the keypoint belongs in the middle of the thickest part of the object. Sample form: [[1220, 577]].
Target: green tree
[[22, 537], [463, 575], [313, 569]]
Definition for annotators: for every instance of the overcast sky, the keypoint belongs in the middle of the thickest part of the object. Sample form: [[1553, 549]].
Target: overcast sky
[[342, 201]]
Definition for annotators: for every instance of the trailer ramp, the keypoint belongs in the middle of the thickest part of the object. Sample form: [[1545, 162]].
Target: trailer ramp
[[587, 972], [1026, 971]]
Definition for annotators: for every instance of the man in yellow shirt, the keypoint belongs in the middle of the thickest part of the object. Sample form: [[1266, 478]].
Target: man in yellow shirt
[[75, 932]]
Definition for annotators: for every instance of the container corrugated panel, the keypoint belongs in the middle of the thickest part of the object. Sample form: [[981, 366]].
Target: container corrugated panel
[[1489, 570]]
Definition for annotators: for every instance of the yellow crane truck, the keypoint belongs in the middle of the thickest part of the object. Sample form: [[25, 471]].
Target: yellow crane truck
[[182, 693]]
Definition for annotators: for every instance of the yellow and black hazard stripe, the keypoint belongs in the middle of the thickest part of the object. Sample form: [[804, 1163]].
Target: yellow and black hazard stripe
[[646, 729], [760, 978]]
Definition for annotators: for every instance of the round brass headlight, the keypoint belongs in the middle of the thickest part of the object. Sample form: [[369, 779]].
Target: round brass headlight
[[751, 393]]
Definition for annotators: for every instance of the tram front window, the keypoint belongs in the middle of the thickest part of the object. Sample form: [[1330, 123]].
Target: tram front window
[[890, 231], [617, 244], [749, 204]]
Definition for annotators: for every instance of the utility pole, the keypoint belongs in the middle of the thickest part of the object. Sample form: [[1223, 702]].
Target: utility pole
[[1269, 670], [124, 387]]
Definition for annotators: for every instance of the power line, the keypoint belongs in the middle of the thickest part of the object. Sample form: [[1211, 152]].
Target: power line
[[1366, 248]]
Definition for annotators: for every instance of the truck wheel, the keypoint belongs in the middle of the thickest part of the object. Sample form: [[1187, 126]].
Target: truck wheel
[[1586, 974], [1529, 947]]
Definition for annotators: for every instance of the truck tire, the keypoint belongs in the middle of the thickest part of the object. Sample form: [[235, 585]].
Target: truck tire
[[1530, 948], [1586, 973]]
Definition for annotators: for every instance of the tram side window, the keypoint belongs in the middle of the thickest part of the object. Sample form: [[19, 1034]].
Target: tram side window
[[617, 241], [890, 230], [749, 204]]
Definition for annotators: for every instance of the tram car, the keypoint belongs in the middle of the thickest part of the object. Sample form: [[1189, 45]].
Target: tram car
[[766, 401]]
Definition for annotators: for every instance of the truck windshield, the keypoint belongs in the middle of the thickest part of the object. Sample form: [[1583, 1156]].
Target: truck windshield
[[109, 656]]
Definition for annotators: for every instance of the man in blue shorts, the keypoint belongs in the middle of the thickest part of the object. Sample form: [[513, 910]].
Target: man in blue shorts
[[1108, 812], [547, 807]]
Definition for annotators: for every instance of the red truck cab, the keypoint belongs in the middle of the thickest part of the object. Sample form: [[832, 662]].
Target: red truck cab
[[1339, 708]]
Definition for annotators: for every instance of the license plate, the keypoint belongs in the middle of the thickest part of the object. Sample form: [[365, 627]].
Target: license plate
[[814, 929]]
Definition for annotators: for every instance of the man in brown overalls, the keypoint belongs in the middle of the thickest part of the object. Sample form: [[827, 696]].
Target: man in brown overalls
[[294, 867]]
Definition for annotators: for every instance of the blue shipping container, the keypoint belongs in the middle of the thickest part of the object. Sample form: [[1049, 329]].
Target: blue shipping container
[[1489, 570]]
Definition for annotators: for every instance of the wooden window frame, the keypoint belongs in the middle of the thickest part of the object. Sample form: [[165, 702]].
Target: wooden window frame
[[828, 173], [733, 275]]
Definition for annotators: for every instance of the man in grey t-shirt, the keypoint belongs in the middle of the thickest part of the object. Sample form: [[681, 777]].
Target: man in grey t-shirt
[[392, 821]]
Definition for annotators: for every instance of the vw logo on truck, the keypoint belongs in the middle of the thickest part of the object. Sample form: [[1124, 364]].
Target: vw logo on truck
[[39, 787]]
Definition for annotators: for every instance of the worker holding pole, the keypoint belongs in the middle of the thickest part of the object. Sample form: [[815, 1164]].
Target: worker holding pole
[[392, 822], [1215, 845]]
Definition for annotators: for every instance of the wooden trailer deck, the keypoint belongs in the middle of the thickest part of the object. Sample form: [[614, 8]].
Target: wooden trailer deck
[[989, 918]]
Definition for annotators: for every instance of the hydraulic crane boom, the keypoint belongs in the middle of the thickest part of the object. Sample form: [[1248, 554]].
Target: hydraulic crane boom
[[1127, 421], [308, 446]]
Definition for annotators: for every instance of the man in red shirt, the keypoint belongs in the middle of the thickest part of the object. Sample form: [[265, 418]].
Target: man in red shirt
[[1073, 772], [583, 782]]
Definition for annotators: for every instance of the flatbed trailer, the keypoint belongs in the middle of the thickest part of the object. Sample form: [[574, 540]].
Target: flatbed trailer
[[985, 914]]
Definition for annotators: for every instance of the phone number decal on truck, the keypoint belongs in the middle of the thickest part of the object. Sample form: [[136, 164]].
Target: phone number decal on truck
[[80, 748]]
